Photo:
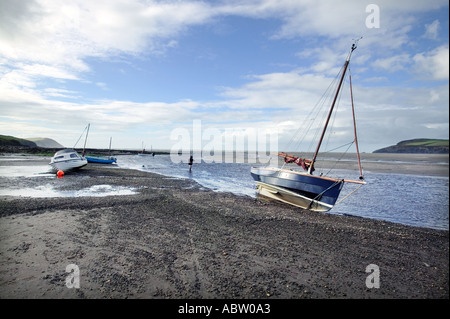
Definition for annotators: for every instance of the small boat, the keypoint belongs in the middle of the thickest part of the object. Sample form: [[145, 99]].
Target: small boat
[[101, 159], [302, 188], [143, 153], [67, 160]]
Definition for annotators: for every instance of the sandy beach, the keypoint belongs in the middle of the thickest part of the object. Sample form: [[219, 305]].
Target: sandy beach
[[174, 239]]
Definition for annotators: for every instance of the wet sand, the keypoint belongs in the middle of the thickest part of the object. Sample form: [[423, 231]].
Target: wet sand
[[174, 239]]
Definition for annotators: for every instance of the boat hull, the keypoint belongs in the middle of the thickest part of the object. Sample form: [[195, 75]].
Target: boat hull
[[298, 189], [100, 160], [292, 198], [68, 165]]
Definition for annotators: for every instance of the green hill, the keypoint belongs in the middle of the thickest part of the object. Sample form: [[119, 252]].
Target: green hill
[[45, 142], [419, 145], [6, 140]]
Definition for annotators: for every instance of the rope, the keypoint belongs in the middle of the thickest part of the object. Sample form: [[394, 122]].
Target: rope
[[303, 130], [349, 194], [80, 137], [319, 196], [340, 158], [336, 148]]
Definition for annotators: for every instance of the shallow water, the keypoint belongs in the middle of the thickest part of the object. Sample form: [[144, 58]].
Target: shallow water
[[407, 199], [28, 177], [47, 191], [25, 171]]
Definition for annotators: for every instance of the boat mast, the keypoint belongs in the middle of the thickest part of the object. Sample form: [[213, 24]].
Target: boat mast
[[354, 128], [85, 140], [332, 107]]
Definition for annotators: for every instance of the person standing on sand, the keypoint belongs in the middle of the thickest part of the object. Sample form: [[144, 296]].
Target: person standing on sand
[[191, 161]]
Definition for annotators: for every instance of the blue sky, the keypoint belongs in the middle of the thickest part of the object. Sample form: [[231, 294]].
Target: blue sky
[[138, 70]]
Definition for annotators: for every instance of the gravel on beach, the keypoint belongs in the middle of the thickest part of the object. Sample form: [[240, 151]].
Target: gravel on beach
[[174, 239]]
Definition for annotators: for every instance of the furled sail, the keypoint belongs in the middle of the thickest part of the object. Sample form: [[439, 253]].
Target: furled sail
[[303, 162]]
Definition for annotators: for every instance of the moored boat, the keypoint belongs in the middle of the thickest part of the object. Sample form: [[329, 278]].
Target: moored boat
[[101, 159], [67, 160], [303, 189], [298, 188]]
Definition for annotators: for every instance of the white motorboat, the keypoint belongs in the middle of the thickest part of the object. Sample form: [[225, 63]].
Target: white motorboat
[[67, 160]]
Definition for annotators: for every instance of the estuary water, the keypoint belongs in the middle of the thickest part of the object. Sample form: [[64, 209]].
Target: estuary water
[[409, 199]]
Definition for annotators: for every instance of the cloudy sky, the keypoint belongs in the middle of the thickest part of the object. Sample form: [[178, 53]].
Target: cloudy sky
[[138, 71]]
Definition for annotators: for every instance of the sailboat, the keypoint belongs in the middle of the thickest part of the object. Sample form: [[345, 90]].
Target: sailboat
[[303, 188], [143, 150], [103, 159], [143, 153]]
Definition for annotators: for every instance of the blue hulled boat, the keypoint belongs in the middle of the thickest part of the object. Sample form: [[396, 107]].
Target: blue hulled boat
[[302, 188], [101, 159]]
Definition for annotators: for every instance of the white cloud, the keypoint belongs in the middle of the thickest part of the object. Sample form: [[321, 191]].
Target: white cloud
[[46, 71], [434, 63], [52, 92], [278, 91], [329, 61], [61, 35], [393, 63], [384, 113], [53, 39], [431, 65], [432, 30]]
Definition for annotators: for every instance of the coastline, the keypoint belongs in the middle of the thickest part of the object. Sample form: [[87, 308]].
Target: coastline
[[174, 239], [410, 164]]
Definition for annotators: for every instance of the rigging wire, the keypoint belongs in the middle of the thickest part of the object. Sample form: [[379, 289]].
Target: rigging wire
[[361, 175], [354, 141], [333, 120], [340, 157], [80, 137], [319, 115], [298, 138], [349, 194], [332, 128], [324, 111]]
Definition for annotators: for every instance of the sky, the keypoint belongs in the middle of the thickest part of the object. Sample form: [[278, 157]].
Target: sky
[[147, 72]]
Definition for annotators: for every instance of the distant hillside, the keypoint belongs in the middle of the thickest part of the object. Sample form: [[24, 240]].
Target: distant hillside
[[6, 140], [419, 145], [45, 142], [11, 144]]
